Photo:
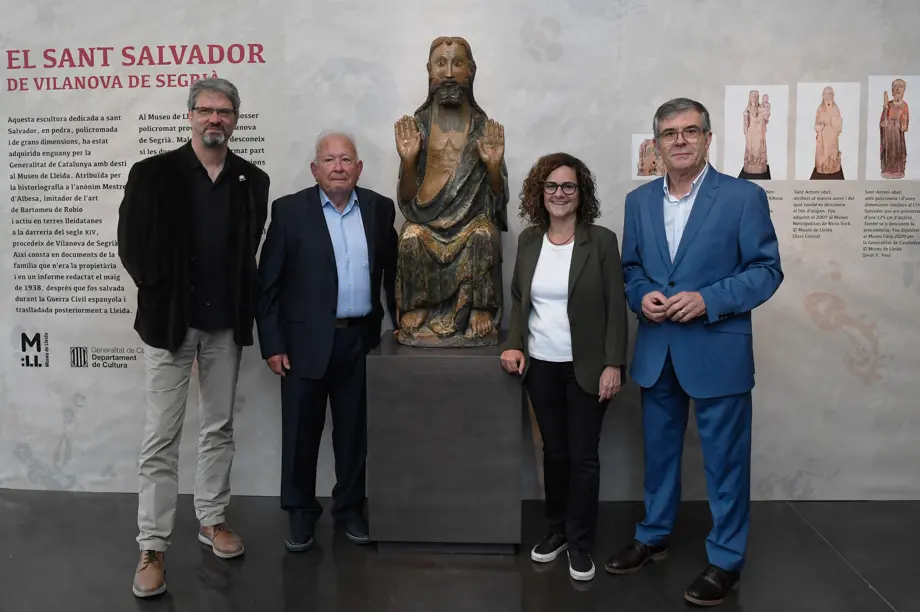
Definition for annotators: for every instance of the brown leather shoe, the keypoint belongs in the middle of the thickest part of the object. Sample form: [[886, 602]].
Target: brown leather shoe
[[150, 577], [222, 540]]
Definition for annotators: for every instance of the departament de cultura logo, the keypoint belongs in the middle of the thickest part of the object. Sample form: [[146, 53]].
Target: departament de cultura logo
[[79, 357]]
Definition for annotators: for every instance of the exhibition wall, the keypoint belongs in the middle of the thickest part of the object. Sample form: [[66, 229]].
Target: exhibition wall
[[91, 87]]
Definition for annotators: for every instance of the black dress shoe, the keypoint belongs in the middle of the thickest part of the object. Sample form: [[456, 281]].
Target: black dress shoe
[[300, 532], [356, 529], [633, 557], [713, 586]]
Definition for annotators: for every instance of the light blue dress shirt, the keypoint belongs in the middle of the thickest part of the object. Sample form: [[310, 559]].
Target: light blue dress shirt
[[677, 211], [349, 243]]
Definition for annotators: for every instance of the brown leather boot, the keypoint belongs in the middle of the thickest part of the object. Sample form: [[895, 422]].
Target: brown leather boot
[[222, 540], [150, 577]]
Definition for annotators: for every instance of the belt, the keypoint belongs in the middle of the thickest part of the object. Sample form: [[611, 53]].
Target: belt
[[343, 323]]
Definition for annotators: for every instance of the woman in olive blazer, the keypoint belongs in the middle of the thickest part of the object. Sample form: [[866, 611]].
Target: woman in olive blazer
[[567, 339]]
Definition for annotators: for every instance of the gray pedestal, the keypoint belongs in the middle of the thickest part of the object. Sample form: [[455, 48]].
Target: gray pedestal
[[444, 450]]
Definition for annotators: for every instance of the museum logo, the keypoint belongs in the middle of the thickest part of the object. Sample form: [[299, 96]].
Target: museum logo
[[79, 357], [35, 350]]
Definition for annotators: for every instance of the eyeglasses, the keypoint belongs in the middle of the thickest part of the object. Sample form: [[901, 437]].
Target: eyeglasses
[[691, 134], [567, 188], [223, 113]]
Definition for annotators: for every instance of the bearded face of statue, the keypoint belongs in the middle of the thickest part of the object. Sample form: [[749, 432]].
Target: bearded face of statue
[[450, 72]]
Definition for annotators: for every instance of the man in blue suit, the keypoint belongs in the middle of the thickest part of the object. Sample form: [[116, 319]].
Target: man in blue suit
[[699, 254]]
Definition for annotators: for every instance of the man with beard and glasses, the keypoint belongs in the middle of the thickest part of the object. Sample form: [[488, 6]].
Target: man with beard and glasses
[[189, 227], [453, 191]]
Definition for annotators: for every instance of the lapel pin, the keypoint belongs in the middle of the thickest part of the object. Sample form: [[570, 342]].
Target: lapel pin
[[242, 178]]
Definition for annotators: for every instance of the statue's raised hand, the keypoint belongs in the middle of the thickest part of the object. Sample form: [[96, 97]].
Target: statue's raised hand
[[491, 146], [408, 139]]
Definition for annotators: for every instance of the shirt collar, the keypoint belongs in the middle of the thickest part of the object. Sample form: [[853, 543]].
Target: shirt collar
[[352, 201], [194, 163], [694, 187]]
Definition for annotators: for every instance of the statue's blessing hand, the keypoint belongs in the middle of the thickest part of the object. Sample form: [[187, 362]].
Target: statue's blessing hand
[[491, 146], [408, 138]]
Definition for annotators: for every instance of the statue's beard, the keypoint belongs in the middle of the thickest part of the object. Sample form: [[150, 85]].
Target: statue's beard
[[449, 93]]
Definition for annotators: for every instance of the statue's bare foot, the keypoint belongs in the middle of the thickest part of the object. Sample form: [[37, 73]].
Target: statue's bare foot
[[413, 320], [480, 323]]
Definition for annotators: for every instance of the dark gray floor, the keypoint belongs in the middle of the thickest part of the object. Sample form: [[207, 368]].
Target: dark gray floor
[[76, 552]]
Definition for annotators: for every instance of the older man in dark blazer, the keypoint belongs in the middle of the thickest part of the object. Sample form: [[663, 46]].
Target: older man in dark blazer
[[327, 251], [189, 227]]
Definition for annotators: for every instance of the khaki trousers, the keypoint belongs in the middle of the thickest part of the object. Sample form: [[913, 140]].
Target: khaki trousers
[[168, 376]]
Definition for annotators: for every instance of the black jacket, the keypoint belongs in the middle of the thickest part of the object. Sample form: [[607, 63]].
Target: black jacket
[[298, 278], [155, 234]]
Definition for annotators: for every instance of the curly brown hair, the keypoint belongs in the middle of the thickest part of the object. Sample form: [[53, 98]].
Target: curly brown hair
[[533, 211]]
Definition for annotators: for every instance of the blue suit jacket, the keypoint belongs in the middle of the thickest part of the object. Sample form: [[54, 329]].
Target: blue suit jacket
[[729, 253]]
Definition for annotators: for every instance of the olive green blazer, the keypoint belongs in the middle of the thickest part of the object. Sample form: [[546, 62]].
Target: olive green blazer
[[597, 302]]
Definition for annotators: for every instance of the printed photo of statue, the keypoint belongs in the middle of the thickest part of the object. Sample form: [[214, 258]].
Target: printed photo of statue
[[828, 127], [827, 134], [893, 126], [759, 150], [649, 160], [756, 116]]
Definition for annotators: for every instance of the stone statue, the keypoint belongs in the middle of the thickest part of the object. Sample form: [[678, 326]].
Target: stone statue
[[650, 163], [893, 125], [828, 127], [756, 117], [453, 191]]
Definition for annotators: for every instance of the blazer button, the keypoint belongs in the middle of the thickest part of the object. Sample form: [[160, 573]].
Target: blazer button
[[672, 284]]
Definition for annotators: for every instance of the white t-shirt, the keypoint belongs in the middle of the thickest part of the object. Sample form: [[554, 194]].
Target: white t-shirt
[[550, 336]]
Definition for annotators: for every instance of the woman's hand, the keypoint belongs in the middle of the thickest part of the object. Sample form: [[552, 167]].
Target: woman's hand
[[610, 383], [513, 361]]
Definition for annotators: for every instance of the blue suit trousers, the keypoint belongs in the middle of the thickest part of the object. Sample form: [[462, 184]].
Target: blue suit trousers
[[724, 425]]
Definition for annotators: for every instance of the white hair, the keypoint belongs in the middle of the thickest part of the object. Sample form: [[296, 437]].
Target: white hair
[[328, 133]]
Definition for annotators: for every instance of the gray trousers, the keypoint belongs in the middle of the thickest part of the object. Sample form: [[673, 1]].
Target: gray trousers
[[168, 376]]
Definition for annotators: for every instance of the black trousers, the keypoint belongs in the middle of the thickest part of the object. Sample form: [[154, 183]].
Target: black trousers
[[303, 417], [570, 422]]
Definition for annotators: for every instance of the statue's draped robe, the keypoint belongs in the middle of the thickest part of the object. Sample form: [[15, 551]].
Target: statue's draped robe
[[755, 132], [893, 140], [450, 247], [827, 141]]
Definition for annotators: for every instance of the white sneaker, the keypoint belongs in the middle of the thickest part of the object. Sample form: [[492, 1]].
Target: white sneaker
[[581, 565], [549, 548]]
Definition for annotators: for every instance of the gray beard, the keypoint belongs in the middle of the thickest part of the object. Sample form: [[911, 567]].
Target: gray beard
[[212, 140]]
